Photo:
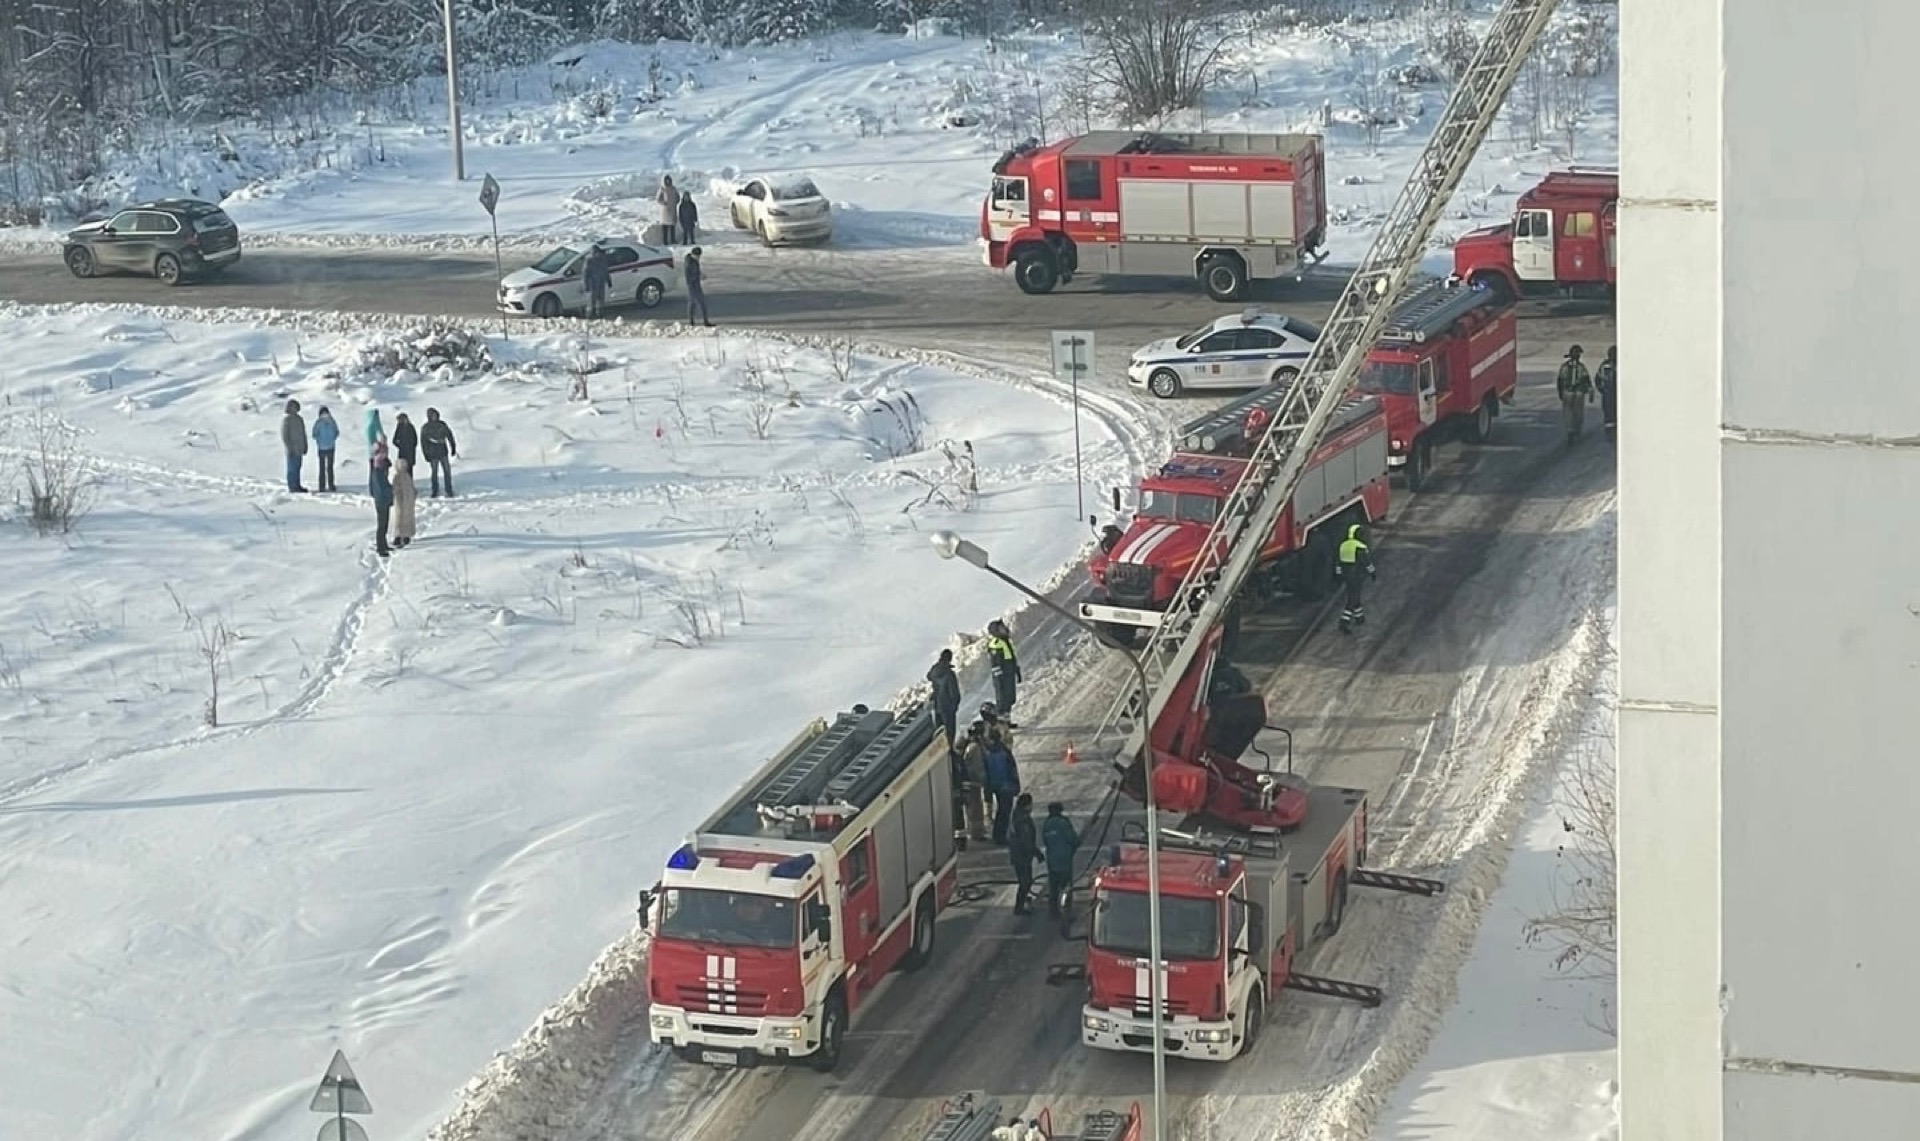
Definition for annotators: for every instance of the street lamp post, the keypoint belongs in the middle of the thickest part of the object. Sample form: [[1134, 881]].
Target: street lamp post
[[453, 94], [949, 545]]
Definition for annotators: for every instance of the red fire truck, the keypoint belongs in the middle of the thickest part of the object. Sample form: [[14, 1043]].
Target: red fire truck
[[1136, 571], [1560, 242], [1240, 908], [1446, 361], [775, 922], [1224, 208]]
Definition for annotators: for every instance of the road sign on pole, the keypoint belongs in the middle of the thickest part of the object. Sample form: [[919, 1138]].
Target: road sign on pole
[[1073, 362], [340, 1090], [490, 198], [341, 1129]]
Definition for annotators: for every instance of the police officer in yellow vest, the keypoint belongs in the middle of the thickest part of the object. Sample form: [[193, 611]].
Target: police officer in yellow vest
[[1354, 557], [1004, 665]]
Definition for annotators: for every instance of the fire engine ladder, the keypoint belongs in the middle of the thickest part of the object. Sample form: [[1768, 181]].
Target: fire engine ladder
[[883, 758], [1432, 309], [1310, 400], [802, 780], [968, 1117], [1221, 430]]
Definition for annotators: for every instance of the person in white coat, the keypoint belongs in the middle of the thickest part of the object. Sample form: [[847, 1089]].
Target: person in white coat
[[668, 199], [405, 497]]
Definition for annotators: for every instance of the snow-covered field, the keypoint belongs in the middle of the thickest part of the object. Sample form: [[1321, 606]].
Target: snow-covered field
[[432, 780], [899, 131], [1523, 1055]]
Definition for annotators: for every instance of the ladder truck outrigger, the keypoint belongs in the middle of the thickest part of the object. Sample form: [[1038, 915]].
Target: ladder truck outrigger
[[1285, 849]]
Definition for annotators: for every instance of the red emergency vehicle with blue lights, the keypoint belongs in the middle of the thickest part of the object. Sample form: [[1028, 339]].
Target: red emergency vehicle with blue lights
[[775, 922]]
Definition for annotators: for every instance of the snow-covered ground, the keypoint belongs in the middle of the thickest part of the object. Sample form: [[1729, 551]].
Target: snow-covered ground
[[899, 131], [1524, 1054], [432, 780]]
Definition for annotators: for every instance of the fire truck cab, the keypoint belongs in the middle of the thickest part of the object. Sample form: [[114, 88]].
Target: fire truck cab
[[1226, 209], [1446, 362], [776, 921], [1560, 242], [1137, 570]]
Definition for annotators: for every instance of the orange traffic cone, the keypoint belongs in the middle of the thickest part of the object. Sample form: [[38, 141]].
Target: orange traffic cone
[[1071, 757]]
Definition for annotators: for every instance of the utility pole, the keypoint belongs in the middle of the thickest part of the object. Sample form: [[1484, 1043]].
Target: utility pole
[[453, 94]]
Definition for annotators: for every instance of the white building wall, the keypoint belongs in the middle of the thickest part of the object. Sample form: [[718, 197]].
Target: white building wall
[[1770, 573]]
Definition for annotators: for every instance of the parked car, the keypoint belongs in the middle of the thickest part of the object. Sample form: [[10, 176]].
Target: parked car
[[556, 284], [1244, 351], [781, 210], [174, 239]]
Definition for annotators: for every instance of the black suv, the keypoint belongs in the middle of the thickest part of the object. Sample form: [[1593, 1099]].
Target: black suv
[[174, 239]]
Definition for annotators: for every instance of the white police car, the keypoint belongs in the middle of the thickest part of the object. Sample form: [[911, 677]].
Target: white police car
[[1246, 350]]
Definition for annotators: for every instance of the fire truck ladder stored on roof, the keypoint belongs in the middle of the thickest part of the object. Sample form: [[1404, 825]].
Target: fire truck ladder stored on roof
[[847, 765], [1430, 310], [1301, 414]]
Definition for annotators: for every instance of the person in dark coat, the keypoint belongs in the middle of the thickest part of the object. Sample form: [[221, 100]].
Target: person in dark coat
[[1059, 840], [406, 439], [1003, 783], [1606, 381], [599, 278], [1575, 389], [1355, 557], [1005, 669], [293, 440], [689, 218], [437, 445], [696, 290], [946, 697], [380, 486], [973, 782], [1022, 851]]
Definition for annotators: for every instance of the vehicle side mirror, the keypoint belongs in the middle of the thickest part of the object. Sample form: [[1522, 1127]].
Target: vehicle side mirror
[[823, 927], [646, 909], [1116, 501], [108, 230]]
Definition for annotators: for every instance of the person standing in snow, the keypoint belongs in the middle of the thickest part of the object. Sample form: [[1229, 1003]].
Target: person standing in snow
[[668, 199], [946, 698], [973, 782], [696, 291], [1059, 840], [437, 445], [1005, 668], [406, 439], [1352, 557], [689, 215], [293, 438], [326, 434], [405, 496], [380, 487], [1607, 381], [599, 278], [1022, 851], [1003, 782]]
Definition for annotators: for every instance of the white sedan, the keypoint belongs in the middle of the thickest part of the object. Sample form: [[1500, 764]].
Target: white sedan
[[781, 210], [1249, 350], [557, 284]]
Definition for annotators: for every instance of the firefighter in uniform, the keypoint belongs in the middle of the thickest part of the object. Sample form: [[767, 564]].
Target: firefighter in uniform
[[1607, 381], [1575, 387], [1355, 557]]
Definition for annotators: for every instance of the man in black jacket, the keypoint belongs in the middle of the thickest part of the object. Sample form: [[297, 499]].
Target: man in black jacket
[[946, 697], [406, 440], [696, 291], [438, 446], [1023, 849]]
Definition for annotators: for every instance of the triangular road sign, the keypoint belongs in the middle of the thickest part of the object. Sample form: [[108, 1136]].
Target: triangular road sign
[[340, 1091]]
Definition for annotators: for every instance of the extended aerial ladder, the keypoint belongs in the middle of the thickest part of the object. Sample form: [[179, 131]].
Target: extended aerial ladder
[[1305, 405]]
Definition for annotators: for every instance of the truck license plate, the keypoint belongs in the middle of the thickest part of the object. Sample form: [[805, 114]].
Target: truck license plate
[[720, 1057]]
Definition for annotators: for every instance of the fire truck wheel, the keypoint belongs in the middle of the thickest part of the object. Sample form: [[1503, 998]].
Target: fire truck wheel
[[1115, 635], [1419, 465], [1224, 277], [1035, 271], [1493, 283], [833, 1032], [921, 953], [1339, 915], [1256, 1014], [1316, 574], [1482, 429], [1164, 383]]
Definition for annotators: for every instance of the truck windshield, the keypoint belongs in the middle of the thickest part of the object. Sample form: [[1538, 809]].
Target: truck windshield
[[1394, 378], [738, 919], [1179, 507], [1189, 928]]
